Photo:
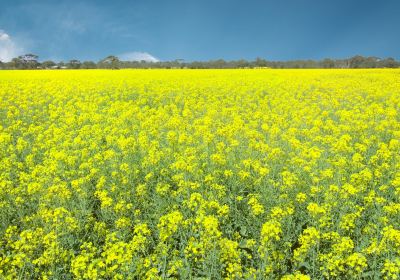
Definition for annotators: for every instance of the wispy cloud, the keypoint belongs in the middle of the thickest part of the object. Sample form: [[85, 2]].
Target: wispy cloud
[[138, 56], [8, 47], [72, 25]]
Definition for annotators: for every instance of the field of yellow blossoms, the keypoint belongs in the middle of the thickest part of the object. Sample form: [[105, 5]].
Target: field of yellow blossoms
[[200, 174]]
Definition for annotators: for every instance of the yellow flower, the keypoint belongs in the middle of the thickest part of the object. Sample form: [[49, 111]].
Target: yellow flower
[[168, 224], [255, 206]]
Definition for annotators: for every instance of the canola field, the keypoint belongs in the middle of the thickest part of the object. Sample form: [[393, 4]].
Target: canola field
[[200, 174]]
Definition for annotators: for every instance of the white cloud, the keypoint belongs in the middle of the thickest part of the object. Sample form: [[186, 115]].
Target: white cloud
[[8, 48], [137, 56]]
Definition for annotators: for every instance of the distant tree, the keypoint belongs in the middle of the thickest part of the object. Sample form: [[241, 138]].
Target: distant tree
[[177, 63], [327, 63], [74, 64], [371, 62], [16, 63], [242, 63], [196, 65], [341, 63], [29, 57], [27, 61], [219, 63], [356, 61], [110, 62], [48, 64], [389, 62], [260, 62], [88, 65], [30, 61]]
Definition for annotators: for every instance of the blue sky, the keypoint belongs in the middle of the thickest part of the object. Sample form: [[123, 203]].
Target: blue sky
[[199, 30]]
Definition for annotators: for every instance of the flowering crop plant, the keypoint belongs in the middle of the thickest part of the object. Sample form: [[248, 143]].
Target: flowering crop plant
[[200, 174]]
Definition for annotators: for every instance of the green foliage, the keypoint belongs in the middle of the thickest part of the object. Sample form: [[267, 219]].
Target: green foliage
[[113, 62]]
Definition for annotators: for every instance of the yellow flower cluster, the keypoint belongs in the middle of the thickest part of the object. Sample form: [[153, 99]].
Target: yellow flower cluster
[[200, 174]]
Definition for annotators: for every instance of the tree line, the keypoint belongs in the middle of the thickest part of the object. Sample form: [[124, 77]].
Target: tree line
[[31, 61]]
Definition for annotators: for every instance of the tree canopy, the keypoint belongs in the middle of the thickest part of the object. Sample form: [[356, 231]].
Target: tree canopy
[[31, 61]]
